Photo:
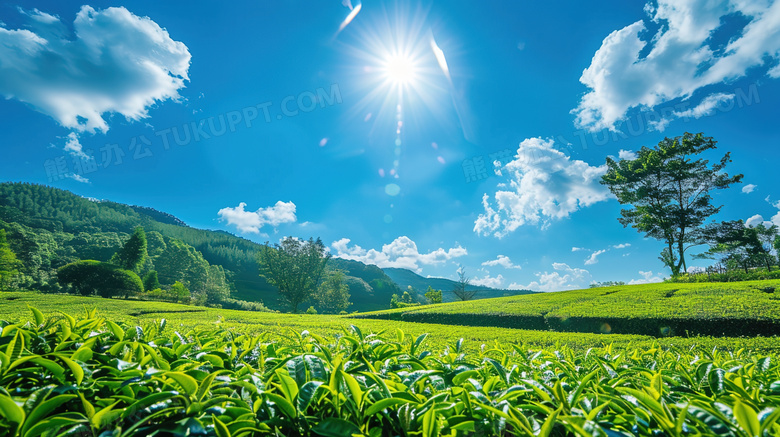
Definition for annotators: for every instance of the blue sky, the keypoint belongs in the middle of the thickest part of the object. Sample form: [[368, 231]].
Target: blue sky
[[269, 119]]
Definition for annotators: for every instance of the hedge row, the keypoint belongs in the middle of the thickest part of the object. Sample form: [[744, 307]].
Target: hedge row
[[655, 326]]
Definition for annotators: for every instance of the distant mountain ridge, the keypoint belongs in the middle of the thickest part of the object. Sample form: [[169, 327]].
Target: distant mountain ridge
[[405, 278]]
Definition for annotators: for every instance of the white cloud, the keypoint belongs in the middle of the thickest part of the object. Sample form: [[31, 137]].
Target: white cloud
[[489, 281], [775, 220], [114, 62], [73, 146], [252, 221], [647, 278], [679, 61], [577, 249], [621, 246], [563, 278], [758, 219], [544, 184], [706, 107], [502, 261], [594, 257], [78, 178], [401, 253], [749, 188], [627, 155], [755, 221]]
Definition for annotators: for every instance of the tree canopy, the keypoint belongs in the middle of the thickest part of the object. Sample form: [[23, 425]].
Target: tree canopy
[[433, 296], [9, 265], [94, 277], [294, 267], [133, 252], [734, 244], [668, 191], [333, 295]]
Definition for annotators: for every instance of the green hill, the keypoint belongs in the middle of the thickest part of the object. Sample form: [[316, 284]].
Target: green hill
[[49, 227], [748, 308], [407, 278]]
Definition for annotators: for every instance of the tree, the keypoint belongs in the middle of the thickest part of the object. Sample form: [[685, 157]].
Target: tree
[[294, 267], [133, 253], [767, 236], [181, 262], [9, 265], [669, 192], [333, 296], [94, 277], [151, 282], [733, 243], [433, 296], [776, 246], [179, 292], [460, 289], [403, 301], [217, 287]]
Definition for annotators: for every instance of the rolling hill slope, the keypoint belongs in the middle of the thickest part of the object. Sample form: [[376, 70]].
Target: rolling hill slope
[[732, 309]]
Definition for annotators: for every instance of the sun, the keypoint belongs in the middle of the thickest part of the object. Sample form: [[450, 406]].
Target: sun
[[399, 69]]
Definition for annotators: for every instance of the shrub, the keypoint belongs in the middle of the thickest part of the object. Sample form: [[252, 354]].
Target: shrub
[[726, 276], [243, 305], [104, 279], [311, 310]]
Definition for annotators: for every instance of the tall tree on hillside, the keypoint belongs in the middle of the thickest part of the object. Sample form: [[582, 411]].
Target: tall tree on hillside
[[461, 290], [333, 295], [133, 253], [294, 267], [9, 265], [669, 192]]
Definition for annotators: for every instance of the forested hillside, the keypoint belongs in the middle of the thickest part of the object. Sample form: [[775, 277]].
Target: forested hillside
[[49, 228]]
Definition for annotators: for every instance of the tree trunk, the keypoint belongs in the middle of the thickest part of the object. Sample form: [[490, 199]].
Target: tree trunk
[[681, 249]]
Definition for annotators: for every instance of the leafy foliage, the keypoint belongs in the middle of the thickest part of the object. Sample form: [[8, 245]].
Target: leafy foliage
[[333, 295], [95, 376], [736, 245], [403, 301], [151, 281], [9, 265], [104, 279], [133, 253], [294, 267], [433, 296], [669, 192]]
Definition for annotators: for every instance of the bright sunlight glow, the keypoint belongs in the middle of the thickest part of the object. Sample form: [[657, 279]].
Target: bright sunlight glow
[[399, 69]]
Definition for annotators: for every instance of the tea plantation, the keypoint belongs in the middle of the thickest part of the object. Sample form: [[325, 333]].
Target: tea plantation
[[748, 308], [84, 366]]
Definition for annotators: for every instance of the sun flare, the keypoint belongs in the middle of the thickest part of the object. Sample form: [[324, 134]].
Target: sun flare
[[399, 69]]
